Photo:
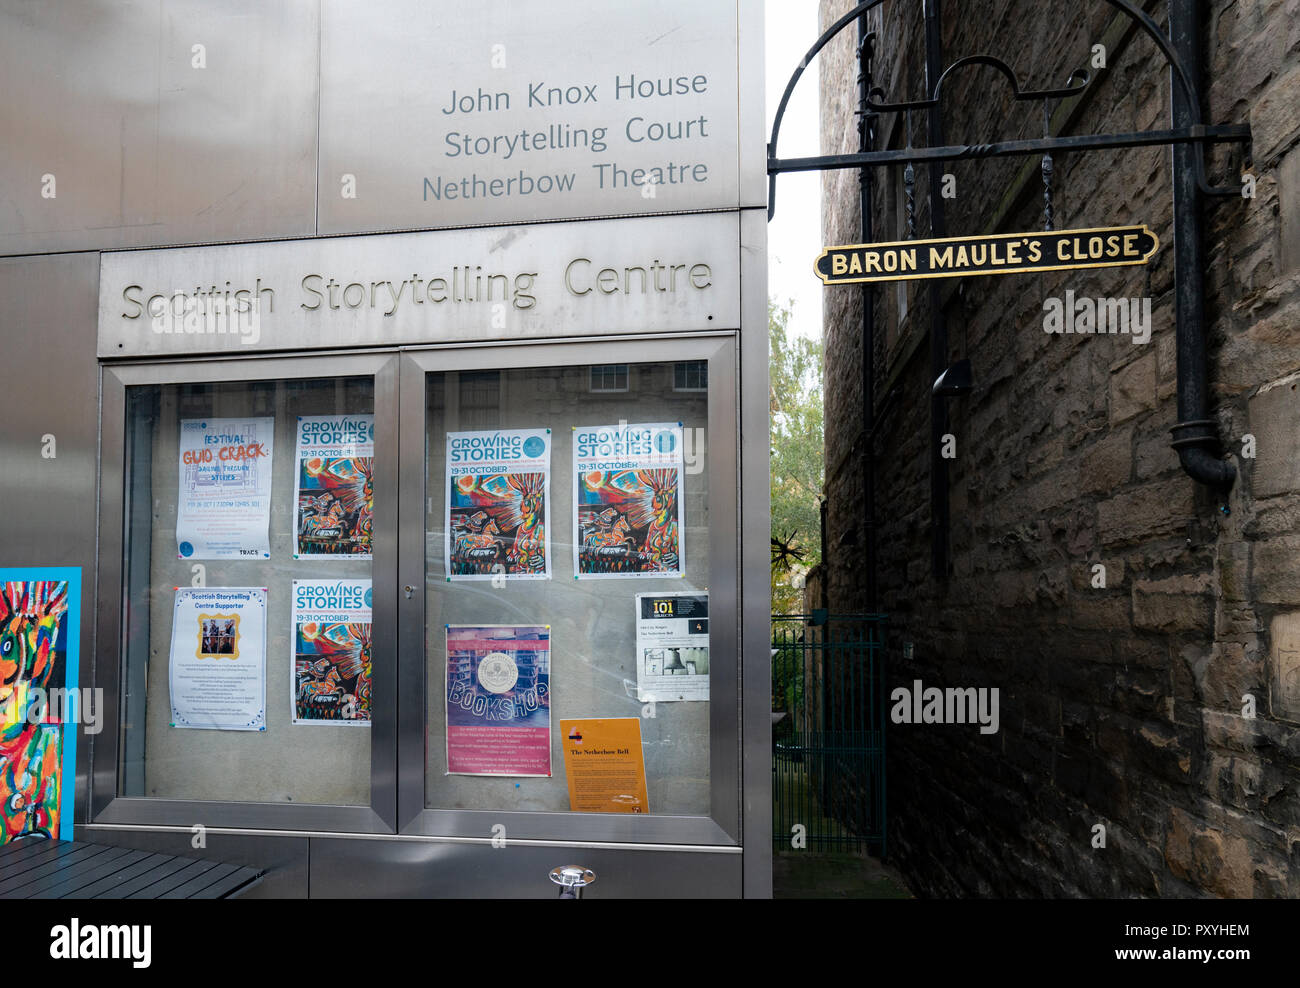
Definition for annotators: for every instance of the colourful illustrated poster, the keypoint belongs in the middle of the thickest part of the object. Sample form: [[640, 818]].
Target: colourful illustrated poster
[[629, 511], [331, 652], [40, 612], [223, 504], [333, 493], [604, 765], [217, 671], [672, 646], [499, 700], [498, 504]]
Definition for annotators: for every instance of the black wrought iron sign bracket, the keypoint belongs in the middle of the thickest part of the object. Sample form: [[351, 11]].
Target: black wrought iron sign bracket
[[1196, 132], [1195, 436]]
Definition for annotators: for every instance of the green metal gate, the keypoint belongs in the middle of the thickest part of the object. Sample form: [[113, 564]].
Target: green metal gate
[[828, 731]]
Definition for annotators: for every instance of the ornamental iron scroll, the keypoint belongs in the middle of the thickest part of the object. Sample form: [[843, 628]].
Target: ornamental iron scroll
[[1196, 132], [1070, 89]]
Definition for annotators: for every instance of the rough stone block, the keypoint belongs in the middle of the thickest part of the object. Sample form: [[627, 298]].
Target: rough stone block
[[1230, 673], [1142, 652], [1180, 603], [1235, 620], [1167, 365], [1233, 570], [1275, 117], [1083, 577], [1102, 612], [1274, 315], [1153, 511], [1141, 692], [1275, 575], [1108, 463], [1275, 424], [1288, 190], [1208, 858], [1154, 457], [1233, 732], [1241, 363], [1284, 634], [1235, 781], [1133, 389]]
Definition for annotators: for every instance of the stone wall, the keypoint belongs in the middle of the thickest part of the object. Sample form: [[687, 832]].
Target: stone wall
[[1120, 705]]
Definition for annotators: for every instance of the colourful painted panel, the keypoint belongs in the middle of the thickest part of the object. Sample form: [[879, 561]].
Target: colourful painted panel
[[39, 701]]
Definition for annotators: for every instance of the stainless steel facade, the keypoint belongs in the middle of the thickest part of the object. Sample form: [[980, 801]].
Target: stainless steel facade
[[559, 264], [145, 148], [46, 312], [377, 83], [148, 150]]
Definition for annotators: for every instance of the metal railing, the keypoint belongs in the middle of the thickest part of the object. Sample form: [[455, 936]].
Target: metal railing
[[828, 732]]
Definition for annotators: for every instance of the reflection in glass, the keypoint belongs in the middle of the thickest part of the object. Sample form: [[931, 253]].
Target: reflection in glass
[[320, 762]]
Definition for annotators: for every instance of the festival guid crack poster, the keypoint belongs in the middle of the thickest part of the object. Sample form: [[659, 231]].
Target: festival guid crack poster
[[498, 520], [223, 503], [40, 613], [629, 512]]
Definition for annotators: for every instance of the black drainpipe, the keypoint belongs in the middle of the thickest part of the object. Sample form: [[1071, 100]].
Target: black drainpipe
[[1195, 437], [866, 134], [938, 324]]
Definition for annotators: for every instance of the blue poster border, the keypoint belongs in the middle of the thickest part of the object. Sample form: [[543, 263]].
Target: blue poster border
[[71, 669]]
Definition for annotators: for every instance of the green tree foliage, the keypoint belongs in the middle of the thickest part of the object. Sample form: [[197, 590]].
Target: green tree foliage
[[797, 457]]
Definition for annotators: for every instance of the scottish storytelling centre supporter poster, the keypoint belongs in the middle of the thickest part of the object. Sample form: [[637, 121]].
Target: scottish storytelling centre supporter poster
[[331, 652], [629, 512], [499, 700], [333, 495], [499, 504], [223, 504], [40, 610], [217, 667]]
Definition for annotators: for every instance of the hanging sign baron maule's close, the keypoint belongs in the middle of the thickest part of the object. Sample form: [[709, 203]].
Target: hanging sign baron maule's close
[[1002, 253]]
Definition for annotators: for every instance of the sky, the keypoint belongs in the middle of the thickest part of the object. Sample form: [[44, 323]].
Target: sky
[[794, 234]]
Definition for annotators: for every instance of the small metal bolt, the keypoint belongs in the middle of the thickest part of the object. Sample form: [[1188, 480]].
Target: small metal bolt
[[572, 879]]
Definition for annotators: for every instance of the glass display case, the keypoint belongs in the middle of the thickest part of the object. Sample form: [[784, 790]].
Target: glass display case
[[406, 592], [637, 469], [201, 518]]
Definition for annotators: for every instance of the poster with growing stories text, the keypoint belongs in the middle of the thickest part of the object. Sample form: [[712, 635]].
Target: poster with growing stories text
[[629, 515], [499, 504], [334, 494], [331, 637]]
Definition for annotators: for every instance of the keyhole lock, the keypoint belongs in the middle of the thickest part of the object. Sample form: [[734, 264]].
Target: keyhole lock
[[409, 590]]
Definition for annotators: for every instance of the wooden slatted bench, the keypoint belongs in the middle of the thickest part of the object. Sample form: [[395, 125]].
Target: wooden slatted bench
[[48, 869]]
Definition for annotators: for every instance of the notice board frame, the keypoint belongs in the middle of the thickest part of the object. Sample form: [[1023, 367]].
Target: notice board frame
[[397, 755]]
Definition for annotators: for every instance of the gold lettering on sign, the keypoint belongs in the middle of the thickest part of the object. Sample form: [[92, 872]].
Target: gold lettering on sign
[[995, 253]]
